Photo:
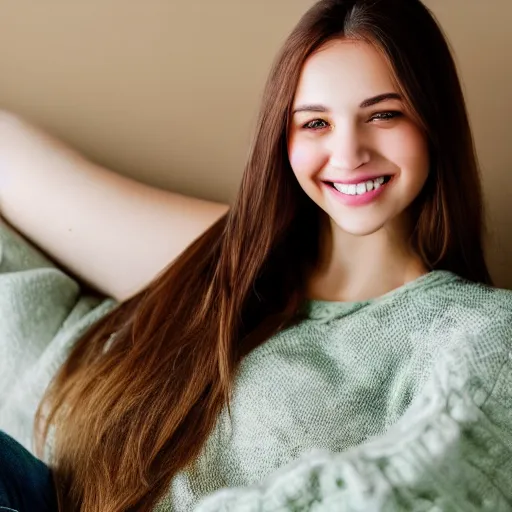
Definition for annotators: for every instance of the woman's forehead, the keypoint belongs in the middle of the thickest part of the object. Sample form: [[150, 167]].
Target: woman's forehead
[[342, 73]]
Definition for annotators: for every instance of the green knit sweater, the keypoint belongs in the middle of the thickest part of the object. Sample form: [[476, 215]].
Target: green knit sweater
[[398, 403]]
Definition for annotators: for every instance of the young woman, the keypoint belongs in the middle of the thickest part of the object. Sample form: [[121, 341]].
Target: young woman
[[317, 313]]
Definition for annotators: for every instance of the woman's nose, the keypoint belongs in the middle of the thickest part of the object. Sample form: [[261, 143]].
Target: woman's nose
[[348, 149]]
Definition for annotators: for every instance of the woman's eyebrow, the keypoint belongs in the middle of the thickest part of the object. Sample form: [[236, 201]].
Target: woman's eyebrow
[[365, 104], [380, 98]]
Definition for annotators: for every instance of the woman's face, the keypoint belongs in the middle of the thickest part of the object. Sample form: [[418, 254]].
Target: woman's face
[[355, 150]]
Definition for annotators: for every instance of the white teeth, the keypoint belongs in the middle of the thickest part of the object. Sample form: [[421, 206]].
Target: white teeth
[[359, 188]]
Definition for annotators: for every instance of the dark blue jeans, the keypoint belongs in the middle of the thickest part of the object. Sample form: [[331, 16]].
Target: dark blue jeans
[[26, 483]]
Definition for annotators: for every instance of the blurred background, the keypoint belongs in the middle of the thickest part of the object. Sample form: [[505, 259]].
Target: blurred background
[[168, 92]]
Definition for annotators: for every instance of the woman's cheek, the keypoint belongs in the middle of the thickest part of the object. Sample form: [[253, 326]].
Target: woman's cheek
[[411, 147], [303, 158]]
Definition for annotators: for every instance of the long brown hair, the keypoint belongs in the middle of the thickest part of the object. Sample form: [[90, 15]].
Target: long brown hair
[[125, 418]]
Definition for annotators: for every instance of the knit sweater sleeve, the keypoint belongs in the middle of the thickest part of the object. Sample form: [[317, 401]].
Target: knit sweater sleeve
[[451, 451]]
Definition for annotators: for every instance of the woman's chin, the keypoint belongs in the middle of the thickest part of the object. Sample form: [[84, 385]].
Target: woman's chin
[[357, 227]]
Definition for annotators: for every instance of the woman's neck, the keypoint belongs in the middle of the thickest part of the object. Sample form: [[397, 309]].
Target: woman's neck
[[356, 268]]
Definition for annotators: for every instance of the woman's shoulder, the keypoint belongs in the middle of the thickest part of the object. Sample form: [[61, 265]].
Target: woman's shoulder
[[471, 299], [467, 325], [479, 316]]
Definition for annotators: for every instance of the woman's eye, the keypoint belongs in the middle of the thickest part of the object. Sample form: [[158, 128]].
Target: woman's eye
[[316, 124], [385, 116]]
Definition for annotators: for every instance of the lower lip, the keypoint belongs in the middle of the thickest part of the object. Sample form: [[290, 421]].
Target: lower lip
[[357, 200]]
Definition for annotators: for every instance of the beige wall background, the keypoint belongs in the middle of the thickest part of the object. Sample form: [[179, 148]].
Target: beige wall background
[[168, 92]]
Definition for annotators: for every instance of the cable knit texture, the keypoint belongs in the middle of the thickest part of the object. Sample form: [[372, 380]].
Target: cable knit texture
[[398, 403]]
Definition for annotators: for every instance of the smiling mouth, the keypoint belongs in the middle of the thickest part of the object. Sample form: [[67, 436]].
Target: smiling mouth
[[359, 189]]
